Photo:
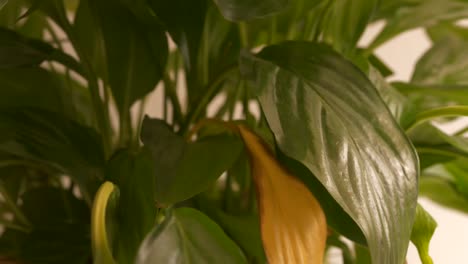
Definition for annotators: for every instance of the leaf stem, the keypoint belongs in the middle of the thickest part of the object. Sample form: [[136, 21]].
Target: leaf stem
[[425, 116], [14, 208], [212, 89], [102, 119]]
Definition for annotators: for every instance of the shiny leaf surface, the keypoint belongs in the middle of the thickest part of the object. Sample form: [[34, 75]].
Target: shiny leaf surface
[[188, 236], [326, 114]]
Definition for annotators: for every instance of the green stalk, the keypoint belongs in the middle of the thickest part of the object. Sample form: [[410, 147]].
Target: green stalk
[[102, 119], [14, 208], [425, 116], [212, 89]]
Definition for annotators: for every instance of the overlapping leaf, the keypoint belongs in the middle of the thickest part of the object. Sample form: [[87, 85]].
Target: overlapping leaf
[[417, 13], [136, 211], [188, 236], [326, 114], [292, 222], [237, 10], [182, 169]]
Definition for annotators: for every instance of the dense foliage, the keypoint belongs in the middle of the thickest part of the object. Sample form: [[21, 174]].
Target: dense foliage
[[336, 156]]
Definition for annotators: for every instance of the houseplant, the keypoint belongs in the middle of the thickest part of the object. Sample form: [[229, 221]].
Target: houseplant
[[336, 152]]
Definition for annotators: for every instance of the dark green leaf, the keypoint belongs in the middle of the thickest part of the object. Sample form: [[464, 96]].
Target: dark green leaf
[[136, 54], [183, 169], [188, 236], [18, 51], [433, 95], [444, 192], [38, 88], [245, 231], [60, 231], [136, 213], [89, 37], [184, 20], [54, 140], [326, 114], [237, 10], [423, 229], [346, 23], [420, 14]]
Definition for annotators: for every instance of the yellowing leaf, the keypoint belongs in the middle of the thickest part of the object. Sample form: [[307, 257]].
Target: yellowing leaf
[[293, 225]]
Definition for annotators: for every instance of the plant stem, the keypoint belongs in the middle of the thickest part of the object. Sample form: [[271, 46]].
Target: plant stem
[[13, 207], [169, 85], [102, 119], [211, 90], [422, 117]]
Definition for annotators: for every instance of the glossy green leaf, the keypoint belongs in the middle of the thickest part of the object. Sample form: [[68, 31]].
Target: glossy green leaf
[[420, 14], [53, 140], [136, 212], [135, 54], [188, 236], [337, 218], [237, 10], [423, 229], [103, 216], [326, 114], [183, 169], [346, 23], [443, 192]]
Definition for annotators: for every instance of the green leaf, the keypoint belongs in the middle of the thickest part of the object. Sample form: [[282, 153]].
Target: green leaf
[[346, 23], [136, 212], [433, 95], [102, 223], [89, 37], [420, 14], [337, 218], [443, 192], [184, 20], [53, 140], [188, 236], [326, 114], [20, 89], [136, 55], [238, 10], [445, 63], [423, 229], [18, 51], [183, 169], [245, 231], [459, 171]]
